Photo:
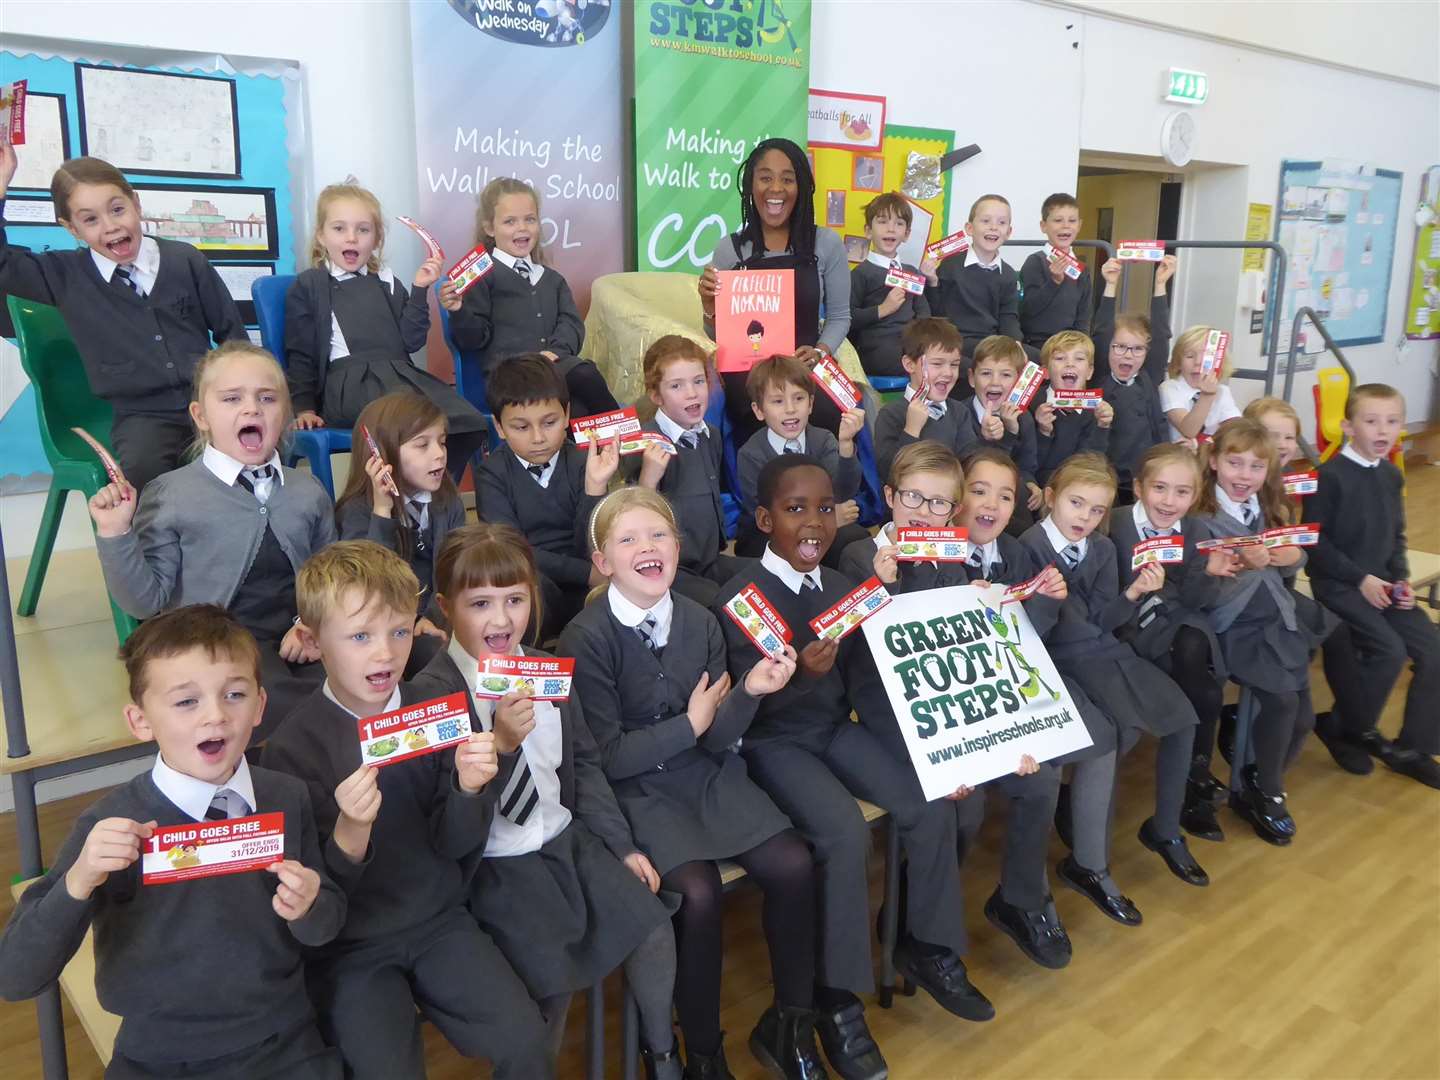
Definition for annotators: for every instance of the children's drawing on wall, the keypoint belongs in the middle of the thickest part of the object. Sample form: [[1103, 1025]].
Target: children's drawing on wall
[[166, 123]]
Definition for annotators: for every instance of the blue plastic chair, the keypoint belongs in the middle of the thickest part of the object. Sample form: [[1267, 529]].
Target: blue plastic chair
[[316, 445], [889, 384], [469, 377], [716, 417]]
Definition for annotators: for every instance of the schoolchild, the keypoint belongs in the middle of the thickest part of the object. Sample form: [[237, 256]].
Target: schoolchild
[[230, 528]]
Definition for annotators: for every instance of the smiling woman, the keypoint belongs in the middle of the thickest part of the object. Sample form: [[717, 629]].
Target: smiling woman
[[778, 232]]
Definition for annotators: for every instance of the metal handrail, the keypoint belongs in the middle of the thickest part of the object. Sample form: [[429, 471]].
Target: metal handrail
[[1102, 245]]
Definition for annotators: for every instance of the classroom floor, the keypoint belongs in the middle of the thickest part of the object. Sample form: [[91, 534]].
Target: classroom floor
[[1321, 960]]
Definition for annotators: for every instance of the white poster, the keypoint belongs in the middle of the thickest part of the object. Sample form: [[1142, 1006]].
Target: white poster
[[972, 689]]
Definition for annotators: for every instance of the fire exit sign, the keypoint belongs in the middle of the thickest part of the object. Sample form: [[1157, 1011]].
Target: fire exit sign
[[1187, 87]]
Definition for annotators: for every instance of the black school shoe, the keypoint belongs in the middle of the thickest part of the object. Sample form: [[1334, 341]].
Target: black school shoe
[[1348, 751], [1201, 783], [1266, 812], [664, 1066], [708, 1066], [1088, 884], [1039, 934], [942, 976], [1176, 855], [1197, 817], [849, 1047], [784, 1042], [1417, 766]]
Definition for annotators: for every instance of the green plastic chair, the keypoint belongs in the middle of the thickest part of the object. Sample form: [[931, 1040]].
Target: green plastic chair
[[63, 400]]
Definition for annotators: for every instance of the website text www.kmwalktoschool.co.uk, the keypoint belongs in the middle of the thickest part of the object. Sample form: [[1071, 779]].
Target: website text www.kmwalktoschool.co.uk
[[724, 53], [990, 739]]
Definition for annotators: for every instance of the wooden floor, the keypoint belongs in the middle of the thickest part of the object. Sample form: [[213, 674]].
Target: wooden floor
[[1321, 960]]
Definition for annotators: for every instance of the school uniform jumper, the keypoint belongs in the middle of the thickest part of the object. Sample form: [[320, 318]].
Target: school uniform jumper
[[139, 351], [1361, 512], [1047, 308], [408, 940], [553, 891], [207, 979], [348, 340], [553, 516], [1139, 421], [355, 520], [813, 761], [506, 313], [199, 537], [1074, 431], [979, 301], [760, 449], [877, 339], [949, 428]]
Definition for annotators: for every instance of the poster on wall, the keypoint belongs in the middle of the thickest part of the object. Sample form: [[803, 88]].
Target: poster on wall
[[1337, 226], [159, 122], [556, 125], [846, 121], [709, 85], [972, 689], [1422, 311], [228, 222]]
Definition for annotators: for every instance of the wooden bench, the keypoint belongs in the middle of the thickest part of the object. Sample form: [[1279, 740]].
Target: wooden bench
[[77, 982]]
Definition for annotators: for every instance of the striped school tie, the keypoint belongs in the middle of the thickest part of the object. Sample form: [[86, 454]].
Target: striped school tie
[[690, 439], [936, 409], [523, 269], [1148, 532], [646, 631], [520, 797], [124, 274], [226, 804], [793, 447], [1071, 554], [248, 478]]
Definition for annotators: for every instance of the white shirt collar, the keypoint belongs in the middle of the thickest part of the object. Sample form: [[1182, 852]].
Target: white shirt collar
[[1237, 510], [778, 443], [978, 407], [972, 258], [146, 264], [536, 270], [1142, 522], [228, 469], [1057, 538], [549, 467], [195, 796], [883, 261], [1349, 451], [672, 431], [1123, 382], [390, 706], [632, 615], [793, 579], [385, 274]]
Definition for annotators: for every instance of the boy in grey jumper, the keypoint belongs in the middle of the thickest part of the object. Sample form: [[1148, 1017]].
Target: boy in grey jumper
[[206, 973]]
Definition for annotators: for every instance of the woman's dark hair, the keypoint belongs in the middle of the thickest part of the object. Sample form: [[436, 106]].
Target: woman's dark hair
[[802, 218]]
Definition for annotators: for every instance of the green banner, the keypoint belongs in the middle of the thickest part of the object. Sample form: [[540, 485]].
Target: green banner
[[712, 78]]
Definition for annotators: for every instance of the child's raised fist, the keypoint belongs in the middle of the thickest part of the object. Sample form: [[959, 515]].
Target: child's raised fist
[[428, 273], [296, 892], [601, 461], [768, 676], [514, 720], [112, 508]]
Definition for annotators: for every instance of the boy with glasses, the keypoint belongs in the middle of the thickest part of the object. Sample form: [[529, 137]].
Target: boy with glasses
[[1135, 351]]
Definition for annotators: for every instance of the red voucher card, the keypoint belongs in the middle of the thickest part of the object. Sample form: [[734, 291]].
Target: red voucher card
[[1201, 439], [212, 848], [12, 111], [1217, 344], [112, 469], [759, 620], [413, 730], [374, 448], [605, 426], [1078, 399], [946, 246], [474, 266], [851, 611], [932, 545], [1221, 542], [1401, 592], [1140, 250], [833, 380], [1073, 266], [1301, 483], [754, 317], [1159, 549], [1024, 590], [1307, 535], [426, 236], [643, 440], [1027, 385], [544, 678], [911, 283]]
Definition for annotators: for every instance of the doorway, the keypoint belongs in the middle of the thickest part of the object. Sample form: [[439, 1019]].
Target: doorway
[[1118, 204]]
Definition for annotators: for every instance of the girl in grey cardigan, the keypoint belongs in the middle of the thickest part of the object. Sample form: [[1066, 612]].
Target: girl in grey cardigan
[[230, 528]]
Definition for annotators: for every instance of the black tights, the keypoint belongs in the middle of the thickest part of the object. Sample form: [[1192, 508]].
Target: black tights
[[589, 392], [1191, 670], [1278, 732], [783, 869]]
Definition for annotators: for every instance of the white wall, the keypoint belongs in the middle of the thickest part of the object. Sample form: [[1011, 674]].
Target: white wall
[[1392, 37], [1264, 108]]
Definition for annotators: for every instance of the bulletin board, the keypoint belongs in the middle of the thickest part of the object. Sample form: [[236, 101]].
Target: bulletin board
[[1422, 311], [245, 222], [837, 171], [1337, 226]]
